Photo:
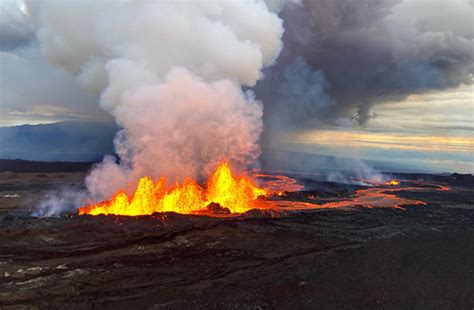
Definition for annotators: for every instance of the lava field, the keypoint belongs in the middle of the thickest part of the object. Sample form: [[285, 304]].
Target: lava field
[[330, 256]]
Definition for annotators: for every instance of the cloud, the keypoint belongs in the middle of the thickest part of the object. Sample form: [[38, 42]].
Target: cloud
[[34, 91], [433, 132], [368, 52], [343, 61], [388, 141], [16, 28]]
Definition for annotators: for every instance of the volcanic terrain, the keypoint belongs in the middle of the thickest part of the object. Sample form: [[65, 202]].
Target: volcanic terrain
[[324, 246]]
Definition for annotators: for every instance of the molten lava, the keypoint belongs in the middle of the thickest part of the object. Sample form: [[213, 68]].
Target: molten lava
[[237, 194], [392, 182], [226, 193]]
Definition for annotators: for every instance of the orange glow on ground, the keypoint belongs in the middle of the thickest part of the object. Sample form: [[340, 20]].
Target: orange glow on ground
[[237, 194], [376, 197], [230, 195], [279, 184]]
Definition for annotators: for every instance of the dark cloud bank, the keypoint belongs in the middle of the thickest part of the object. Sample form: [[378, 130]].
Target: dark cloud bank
[[343, 57]]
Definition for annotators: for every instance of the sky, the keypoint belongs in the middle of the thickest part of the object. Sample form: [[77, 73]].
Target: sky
[[431, 131], [32, 91]]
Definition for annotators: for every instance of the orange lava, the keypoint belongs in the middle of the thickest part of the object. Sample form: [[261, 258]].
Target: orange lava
[[365, 198], [236, 193], [437, 185], [229, 195], [279, 184]]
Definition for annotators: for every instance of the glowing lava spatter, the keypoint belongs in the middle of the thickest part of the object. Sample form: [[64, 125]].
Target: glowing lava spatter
[[238, 194], [392, 182]]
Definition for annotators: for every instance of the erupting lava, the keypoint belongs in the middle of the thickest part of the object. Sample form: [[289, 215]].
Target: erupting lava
[[392, 182], [237, 194], [226, 193]]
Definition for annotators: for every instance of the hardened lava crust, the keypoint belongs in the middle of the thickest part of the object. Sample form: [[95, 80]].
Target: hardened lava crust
[[415, 257]]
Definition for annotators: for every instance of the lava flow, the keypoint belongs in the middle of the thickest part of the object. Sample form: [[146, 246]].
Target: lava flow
[[225, 193]]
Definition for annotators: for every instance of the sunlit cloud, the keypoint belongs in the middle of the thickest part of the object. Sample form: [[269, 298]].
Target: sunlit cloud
[[434, 130], [383, 140]]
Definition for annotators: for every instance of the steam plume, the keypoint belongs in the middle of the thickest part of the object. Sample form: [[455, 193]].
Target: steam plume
[[170, 72]]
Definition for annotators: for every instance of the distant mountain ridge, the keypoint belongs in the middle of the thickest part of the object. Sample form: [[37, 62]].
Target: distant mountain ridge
[[87, 142], [308, 162], [63, 141], [18, 165]]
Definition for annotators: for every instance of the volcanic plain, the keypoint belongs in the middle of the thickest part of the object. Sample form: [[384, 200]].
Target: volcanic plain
[[415, 256]]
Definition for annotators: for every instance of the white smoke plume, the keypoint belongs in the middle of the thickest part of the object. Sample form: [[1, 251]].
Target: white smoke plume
[[60, 201], [170, 72], [355, 171]]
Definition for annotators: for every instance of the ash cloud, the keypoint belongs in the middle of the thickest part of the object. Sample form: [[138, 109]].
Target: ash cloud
[[362, 53], [300, 100]]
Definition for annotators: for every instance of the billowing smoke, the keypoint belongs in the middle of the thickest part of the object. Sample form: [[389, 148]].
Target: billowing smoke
[[343, 57], [181, 127], [170, 72], [355, 172], [62, 200]]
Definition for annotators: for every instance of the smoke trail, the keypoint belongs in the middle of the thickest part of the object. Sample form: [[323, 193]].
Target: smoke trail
[[170, 73]]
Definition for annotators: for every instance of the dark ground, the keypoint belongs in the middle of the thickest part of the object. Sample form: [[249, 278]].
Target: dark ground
[[418, 258], [22, 166]]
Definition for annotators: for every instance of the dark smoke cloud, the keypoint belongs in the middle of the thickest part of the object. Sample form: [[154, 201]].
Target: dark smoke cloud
[[300, 87], [343, 57], [16, 30]]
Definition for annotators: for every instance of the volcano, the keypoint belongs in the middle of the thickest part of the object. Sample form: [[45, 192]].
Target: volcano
[[227, 194], [304, 242], [217, 180]]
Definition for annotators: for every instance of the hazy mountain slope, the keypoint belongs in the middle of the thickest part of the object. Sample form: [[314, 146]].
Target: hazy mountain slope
[[64, 141]]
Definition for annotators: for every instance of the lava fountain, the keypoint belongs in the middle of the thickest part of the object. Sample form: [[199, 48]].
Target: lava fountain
[[224, 191], [392, 182]]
